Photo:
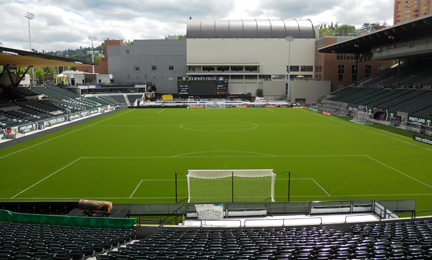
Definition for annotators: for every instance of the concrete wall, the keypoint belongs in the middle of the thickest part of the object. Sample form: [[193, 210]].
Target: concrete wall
[[309, 90], [133, 63], [270, 54]]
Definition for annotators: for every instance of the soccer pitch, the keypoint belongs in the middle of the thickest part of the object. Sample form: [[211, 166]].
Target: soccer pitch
[[132, 156]]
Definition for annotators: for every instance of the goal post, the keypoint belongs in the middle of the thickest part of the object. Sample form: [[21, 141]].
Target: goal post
[[231, 185], [362, 117], [215, 106]]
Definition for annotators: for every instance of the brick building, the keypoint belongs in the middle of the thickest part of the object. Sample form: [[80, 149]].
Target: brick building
[[340, 68], [405, 10]]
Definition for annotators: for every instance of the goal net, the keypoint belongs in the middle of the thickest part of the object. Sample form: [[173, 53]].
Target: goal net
[[362, 117], [230, 185], [215, 105]]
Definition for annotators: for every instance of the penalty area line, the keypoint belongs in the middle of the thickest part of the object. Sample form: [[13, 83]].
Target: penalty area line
[[45, 178]]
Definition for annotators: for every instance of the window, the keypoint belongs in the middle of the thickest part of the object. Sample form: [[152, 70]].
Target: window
[[416, 15], [407, 6], [340, 77], [306, 68], [278, 77], [416, 11], [368, 70], [265, 77], [294, 68], [318, 68], [236, 68], [251, 68], [154, 67], [170, 67], [407, 15], [318, 57], [251, 77], [236, 76], [136, 67], [341, 69], [127, 50], [354, 77], [353, 69], [318, 77], [407, 11]]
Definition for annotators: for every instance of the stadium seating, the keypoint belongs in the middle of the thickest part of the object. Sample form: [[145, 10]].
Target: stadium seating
[[119, 98], [27, 241], [134, 97], [110, 99], [401, 240]]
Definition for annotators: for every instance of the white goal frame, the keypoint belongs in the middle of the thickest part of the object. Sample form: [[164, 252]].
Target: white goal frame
[[231, 185], [362, 117], [215, 106]]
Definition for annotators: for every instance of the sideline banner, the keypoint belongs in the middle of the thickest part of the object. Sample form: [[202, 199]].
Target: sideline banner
[[84, 113], [241, 106], [326, 113], [422, 139], [28, 128], [209, 211], [270, 106], [93, 111], [195, 106], [73, 116], [52, 121]]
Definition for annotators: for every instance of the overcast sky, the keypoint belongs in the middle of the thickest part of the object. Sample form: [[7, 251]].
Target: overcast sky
[[61, 25]]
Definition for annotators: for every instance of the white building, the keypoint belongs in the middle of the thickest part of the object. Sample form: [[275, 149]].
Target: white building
[[252, 54]]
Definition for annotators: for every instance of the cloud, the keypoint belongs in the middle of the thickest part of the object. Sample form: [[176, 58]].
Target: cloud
[[61, 25]]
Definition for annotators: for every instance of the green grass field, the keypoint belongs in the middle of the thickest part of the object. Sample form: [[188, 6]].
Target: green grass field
[[132, 155]]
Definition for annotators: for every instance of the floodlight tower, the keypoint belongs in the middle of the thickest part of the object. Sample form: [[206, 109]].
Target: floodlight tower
[[92, 38], [289, 39], [29, 17]]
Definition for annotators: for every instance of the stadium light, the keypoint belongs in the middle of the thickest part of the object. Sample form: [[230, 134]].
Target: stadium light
[[289, 39], [29, 17], [92, 38]]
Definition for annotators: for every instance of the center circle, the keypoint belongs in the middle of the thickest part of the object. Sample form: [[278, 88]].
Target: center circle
[[218, 126]]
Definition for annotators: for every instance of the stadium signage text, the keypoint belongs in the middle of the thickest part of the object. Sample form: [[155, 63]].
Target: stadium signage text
[[54, 121], [201, 78], [326, 113], [417, 120], [422, 139], [27, 128], [410, 43]]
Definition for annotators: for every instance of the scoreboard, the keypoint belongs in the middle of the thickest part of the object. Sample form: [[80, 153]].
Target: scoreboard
[[207, 87]]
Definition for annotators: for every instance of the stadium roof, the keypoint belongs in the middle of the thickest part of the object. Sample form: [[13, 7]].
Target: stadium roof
[[20, 58], [250, 28], [420, 27]]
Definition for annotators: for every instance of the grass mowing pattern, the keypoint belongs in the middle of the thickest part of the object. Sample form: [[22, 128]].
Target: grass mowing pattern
[[132, 155]]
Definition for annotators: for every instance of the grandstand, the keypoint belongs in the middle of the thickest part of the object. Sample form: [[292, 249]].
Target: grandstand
[[386, 236]]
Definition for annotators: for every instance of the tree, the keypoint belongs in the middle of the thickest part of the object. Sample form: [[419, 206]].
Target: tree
[[97, 59], [259, 92], [130, 43]]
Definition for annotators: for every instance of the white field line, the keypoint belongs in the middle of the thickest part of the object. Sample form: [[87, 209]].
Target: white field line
[[374, 132], [271, 110], [4, 156], [135, 189], [321, 187], [305, 196], [45, 178], [161, 111], [406, 175], [259, 155]]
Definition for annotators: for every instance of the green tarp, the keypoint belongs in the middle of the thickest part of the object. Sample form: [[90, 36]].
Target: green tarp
[[94, 222]]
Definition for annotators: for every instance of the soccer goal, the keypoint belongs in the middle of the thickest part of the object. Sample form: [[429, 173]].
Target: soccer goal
[[362, 117], [231, 185], [215, 105]]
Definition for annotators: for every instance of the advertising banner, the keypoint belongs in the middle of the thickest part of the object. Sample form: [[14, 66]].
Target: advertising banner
[[209, 211], [93, 111], [270, 106], [241, 106], [2, 134], [28, 128], [419, 120], [84, 113], [73, 117], [52, 121], [195, 106], [422, 139], [326, 113]]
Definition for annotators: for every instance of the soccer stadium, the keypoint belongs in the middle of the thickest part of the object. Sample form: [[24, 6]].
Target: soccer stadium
[[199, 168]]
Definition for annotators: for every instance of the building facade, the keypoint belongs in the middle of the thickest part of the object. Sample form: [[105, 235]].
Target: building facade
[[405, 10], [251, 54], [341, 68], [159, 62]]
